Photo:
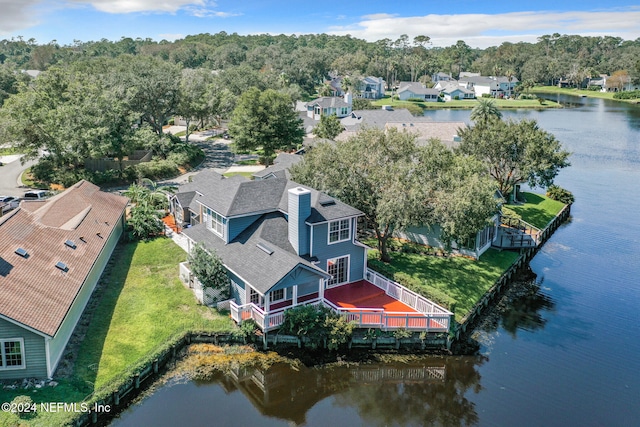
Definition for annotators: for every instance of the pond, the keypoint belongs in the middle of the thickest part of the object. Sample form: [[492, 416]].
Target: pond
[[567, 355]]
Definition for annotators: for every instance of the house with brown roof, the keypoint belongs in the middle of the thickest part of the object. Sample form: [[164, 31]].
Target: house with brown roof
[[51, 257]]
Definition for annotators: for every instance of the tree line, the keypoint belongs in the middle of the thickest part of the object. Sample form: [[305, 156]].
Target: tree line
[[302, 62]]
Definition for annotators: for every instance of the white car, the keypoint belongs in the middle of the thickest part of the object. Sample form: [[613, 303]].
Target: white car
[[8, 202]]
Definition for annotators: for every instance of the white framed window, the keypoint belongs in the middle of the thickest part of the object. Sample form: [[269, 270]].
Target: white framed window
[[339, 231], [338, 268], [215, 222], [255, 298], [12, 354], [277, 295]]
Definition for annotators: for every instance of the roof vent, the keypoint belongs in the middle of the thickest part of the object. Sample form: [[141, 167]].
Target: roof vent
[[327, 202], [62, 266], [70, 243], [22, 252], [266, 249]]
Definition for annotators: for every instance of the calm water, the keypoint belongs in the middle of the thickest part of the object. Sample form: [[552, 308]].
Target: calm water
[[569, 356]]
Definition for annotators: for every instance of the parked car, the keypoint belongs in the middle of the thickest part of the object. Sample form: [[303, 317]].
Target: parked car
[[36, 195], [8, 202]]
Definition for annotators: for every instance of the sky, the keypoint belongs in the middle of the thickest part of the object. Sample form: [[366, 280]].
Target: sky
[[479, 23]]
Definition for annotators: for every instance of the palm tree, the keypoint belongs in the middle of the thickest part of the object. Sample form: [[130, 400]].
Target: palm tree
[[510, 74], [485, 112]]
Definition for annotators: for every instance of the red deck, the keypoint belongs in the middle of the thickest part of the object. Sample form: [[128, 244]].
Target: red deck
[[363, 294], [170, 222]]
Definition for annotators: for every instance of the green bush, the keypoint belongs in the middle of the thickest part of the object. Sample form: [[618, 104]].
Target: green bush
[[26, 407], [307, 321], [171, 121], [415, 99], [486, 95], [339, 331], [156, 169], [560, 194], [631, 94], [456, 97], [594, 88]]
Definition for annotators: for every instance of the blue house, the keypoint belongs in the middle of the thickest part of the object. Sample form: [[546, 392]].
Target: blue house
[[285, 244]]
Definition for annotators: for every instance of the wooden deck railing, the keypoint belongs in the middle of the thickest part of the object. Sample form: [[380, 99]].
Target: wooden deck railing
[[516, 233], [430, 317]]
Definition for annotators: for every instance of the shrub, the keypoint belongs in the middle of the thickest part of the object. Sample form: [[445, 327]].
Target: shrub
[[632, 94], [307, 321], [156, 169], [208, 268], [486, 95], [171, 121], [456, 97], [25, 406], [415, 99], [560, 194], [339, 331]]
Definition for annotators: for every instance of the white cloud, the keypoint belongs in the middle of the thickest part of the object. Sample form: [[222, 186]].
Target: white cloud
[[17, 15], [197, 8], [483, 30]]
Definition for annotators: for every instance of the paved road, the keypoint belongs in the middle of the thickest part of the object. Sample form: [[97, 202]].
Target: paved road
[[9, 174]]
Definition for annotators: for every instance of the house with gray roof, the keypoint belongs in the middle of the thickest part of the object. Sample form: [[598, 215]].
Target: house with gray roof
[[284, 244], [453, 91], [328, 105], [280, 167], [497, 87], [372, 87], [416, 90], [52, 255]]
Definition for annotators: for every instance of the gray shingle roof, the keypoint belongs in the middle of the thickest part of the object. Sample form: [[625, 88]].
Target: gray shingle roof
[[264, 270], [280, 167], [417, 88], [378, 118], [238, 196], [328, 101]]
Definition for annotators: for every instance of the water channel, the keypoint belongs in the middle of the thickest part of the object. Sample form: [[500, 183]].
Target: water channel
[[569, 356]]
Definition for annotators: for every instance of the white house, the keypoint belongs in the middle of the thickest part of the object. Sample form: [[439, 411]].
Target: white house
[[416, 90], [328, 105]]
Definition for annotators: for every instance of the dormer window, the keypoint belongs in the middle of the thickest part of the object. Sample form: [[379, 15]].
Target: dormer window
[[215, 222], [339, 231]]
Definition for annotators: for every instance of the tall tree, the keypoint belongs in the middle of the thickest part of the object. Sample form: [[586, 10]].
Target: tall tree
[[329, 127], [396, 183], [208, 268], [193, 103], [265, 120], [485, 112], [515, 152]]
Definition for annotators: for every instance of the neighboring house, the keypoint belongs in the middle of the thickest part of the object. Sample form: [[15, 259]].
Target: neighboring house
[[444, 83], [377, 118], [51, 257], [336, 86], [328, 105], [445, 132], [432, 236], [416, 90], [453, 91], [372, 87], [284, 244], [279, 168], [441, 77], [497, 87]]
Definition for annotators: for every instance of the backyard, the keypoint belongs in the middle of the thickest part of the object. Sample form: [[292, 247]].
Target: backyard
[[458, 282], [143, 306]]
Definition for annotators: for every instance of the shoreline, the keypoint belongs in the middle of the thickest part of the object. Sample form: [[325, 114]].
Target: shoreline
[[582, 93]]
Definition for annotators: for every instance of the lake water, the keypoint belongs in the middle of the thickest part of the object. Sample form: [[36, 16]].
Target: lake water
[[570, 356]]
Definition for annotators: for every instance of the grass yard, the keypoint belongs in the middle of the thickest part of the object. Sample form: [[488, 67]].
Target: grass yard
[[144, 305], [460, 280], [464, 103], [539, 210], [248, 175], [580, 92]]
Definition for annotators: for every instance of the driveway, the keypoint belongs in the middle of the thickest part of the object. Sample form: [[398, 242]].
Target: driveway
[[10, 173]]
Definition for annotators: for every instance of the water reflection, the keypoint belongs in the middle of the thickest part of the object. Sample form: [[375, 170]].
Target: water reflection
[[416, 392]]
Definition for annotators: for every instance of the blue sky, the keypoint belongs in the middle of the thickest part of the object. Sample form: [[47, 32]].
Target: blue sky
[[479, 23]]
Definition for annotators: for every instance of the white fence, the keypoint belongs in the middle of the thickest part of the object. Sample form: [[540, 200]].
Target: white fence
[[430, 317]]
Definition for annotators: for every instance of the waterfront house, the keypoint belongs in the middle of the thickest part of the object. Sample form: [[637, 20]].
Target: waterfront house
[[328, 105], [285, 244], [52, 255], [416, 90]]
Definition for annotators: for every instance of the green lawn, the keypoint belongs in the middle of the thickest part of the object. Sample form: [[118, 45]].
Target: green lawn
[[468, 103], [461, 281], [144, 305], [538, 210], [245, 174], [580, 92]]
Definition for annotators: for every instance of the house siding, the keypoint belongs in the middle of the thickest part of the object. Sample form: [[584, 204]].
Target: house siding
[[34, 352], [238, 286], [324, 252], [238, 225], [59, 341], [296, 277]]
